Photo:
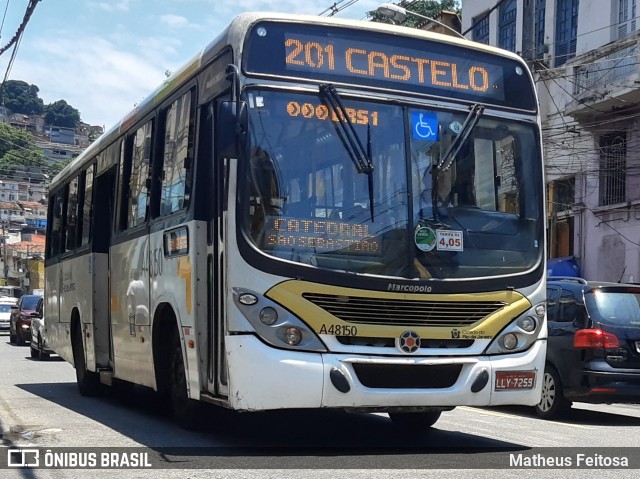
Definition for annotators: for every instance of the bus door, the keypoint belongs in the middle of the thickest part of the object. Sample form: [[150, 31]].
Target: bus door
[[53, 275], [217, 368], [102, 224]]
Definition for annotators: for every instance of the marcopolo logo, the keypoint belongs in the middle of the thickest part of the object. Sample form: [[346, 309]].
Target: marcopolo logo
[[409, 288]]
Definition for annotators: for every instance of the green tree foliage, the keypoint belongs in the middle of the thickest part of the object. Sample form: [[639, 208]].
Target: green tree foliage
[[60, 113], [20, 97], [56, 167], [17, 148], [427, 8]]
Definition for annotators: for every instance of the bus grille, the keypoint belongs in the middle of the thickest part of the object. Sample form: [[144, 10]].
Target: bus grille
[[407, 376], [400, 312], [425, 343]]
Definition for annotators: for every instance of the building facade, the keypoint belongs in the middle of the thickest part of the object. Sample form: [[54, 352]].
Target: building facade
[[585, 58]]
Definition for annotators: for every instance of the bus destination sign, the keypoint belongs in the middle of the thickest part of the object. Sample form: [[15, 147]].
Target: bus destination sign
[[352, 58], [369, 58], [320, 235]]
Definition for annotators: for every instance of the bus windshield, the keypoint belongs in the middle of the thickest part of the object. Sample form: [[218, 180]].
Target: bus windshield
[[448, 201]]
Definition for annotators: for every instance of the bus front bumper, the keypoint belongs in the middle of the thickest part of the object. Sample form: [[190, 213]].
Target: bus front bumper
[[263, 378]]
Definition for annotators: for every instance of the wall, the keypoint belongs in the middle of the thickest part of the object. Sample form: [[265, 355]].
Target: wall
[[606, 239]]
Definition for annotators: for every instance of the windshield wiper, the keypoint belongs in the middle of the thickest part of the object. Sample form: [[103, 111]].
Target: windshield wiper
[[360, 156], [469, 124], [456, 145]]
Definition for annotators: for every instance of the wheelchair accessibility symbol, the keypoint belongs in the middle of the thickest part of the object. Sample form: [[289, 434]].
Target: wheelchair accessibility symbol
[[424, 126]]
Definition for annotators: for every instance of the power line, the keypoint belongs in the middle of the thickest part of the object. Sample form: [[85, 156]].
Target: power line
[[15, 41], [482, 17], [4, 16], [27, 15], [10, 64], [337, 7]]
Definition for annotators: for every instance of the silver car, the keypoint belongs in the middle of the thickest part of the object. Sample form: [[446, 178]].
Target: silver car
[[5, 312], [39, 347]]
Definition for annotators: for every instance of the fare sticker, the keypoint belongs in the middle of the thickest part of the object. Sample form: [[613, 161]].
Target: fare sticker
[[449, 240]]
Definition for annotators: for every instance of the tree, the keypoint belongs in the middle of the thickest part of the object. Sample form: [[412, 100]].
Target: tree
[[427, 8], [20, 97], [17, 149], [60, 113]]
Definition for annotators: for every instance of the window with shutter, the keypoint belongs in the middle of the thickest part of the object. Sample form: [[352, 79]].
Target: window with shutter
[[626, 18], [481, 29], [508, 11], [566, 30]]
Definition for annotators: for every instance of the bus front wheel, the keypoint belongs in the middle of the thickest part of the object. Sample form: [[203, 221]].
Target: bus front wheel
[[185, 409], [415, 420]]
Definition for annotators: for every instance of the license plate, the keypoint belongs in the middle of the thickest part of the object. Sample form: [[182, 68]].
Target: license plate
[[506, 380]]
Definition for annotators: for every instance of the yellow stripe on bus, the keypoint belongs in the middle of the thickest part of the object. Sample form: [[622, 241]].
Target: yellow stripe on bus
[[289, 294]]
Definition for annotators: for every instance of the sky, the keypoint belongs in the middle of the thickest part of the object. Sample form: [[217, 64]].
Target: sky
[[103, 57]]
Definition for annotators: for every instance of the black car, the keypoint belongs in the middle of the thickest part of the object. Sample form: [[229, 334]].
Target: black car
[[593, 350], [21, 315]]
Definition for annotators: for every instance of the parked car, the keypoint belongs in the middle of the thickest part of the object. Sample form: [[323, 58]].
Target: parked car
[[5, 312], [39, 346], [593, 349], [21, 315]]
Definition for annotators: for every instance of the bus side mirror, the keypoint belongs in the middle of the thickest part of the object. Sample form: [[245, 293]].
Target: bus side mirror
[[231, 128]]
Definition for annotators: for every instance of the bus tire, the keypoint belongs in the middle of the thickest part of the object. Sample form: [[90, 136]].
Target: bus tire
[[552, 404], [88, 381], [185, 409], [415, 420]]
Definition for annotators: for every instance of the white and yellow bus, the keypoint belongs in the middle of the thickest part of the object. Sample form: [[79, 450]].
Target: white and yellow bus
[[311, 213]]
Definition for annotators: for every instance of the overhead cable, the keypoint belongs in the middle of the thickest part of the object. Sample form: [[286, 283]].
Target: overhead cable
[[27, 15]]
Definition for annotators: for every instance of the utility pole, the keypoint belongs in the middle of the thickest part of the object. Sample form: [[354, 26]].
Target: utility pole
[[528, 32], [4, 252]]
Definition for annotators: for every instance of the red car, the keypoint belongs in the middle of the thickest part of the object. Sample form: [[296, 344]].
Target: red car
[[20, 321]]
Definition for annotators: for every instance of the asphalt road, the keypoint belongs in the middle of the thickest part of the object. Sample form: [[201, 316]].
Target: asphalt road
[[40, 408]]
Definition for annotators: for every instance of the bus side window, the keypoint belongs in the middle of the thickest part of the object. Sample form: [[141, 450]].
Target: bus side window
[[139, 155], [71, 224], [54, 243], [178, 154], [87, 206]]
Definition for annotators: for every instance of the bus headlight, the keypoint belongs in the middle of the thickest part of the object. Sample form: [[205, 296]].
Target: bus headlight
[[527, 323], [268, 316], [292, 336], [520, 334], [248, 299], [274, 324], [510, 341]]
